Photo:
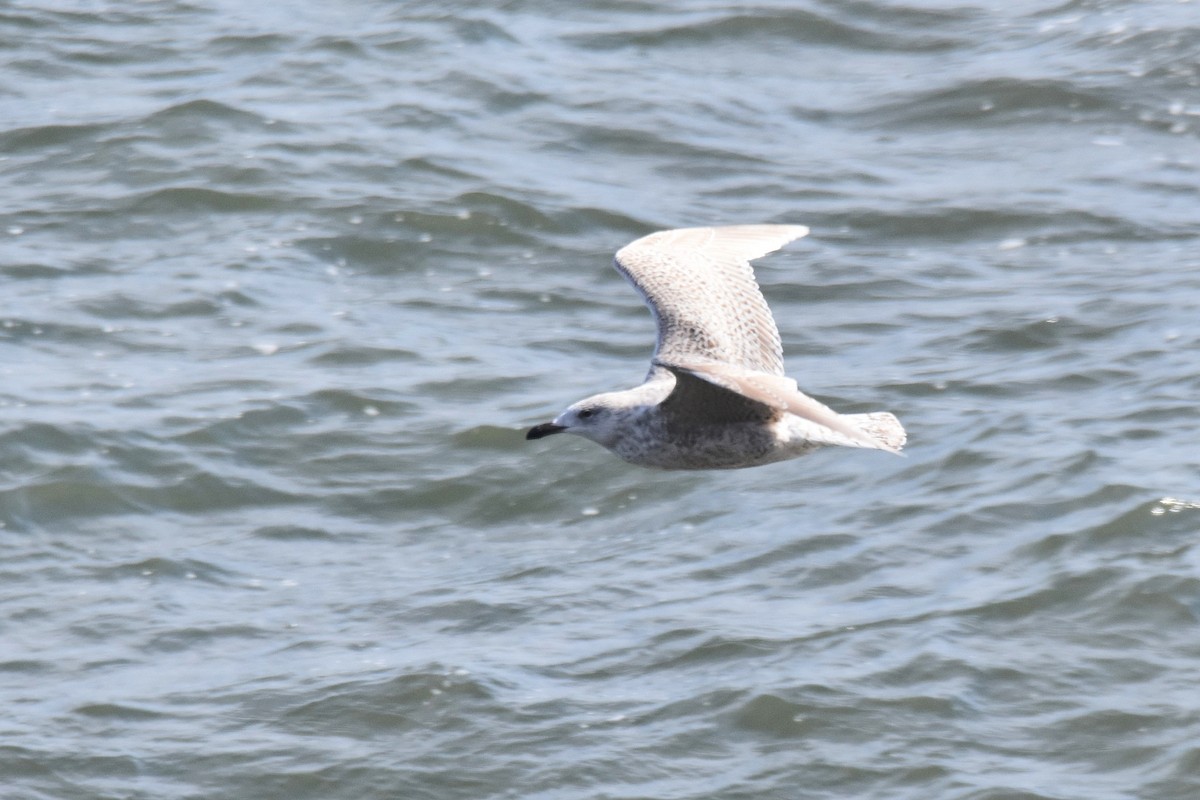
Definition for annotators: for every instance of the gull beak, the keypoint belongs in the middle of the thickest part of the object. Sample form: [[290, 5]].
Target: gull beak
[[545, 429]]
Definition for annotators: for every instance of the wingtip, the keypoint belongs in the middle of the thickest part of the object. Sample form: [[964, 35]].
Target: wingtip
[[772, 234], [884, 429]]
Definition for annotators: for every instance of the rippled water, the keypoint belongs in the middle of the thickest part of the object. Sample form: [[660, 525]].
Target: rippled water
[[284, 283]]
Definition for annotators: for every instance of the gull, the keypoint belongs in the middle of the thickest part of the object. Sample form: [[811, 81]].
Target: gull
[[716, 396]]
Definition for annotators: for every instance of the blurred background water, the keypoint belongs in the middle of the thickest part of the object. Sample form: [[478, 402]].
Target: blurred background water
[[283, 283]]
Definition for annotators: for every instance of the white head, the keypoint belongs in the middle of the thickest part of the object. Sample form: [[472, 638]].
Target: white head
[[603, 418]]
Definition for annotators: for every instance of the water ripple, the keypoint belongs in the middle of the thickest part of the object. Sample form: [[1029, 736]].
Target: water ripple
[[281, 292]]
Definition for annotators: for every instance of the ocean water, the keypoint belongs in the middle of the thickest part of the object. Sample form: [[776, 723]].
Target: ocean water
[[283, 285]]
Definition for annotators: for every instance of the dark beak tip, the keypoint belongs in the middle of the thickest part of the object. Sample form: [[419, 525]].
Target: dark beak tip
[[545, 429]]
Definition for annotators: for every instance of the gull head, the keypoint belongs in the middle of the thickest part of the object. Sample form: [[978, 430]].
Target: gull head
[[603, 418]]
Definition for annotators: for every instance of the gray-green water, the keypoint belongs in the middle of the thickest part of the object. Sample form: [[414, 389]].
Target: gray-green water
[[283, 283]]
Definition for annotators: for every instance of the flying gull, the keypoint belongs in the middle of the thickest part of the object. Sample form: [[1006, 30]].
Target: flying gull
[[716, 396]]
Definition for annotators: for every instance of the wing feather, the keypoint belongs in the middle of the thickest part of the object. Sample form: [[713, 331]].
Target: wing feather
[[701, 289], [776, 392]]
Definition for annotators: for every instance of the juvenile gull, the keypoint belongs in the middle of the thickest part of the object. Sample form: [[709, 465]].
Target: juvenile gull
[[716, 396]]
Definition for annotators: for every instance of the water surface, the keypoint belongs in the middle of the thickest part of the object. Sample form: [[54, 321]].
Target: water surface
[[283, 285]]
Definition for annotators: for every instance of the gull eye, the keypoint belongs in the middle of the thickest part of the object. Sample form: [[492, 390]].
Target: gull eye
[[586, 413]]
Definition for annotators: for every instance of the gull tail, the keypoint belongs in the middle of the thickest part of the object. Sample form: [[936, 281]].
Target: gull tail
[[881, 426]]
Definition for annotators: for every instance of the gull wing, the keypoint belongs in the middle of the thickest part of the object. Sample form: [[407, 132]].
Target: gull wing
[[697, 402], [701, 290], [756, 389]]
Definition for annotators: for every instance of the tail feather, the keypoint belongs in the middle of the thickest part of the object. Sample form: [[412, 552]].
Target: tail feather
[[883, 427]]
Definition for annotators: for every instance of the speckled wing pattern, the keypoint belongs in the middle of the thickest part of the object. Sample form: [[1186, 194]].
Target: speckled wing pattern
[[701, 289]]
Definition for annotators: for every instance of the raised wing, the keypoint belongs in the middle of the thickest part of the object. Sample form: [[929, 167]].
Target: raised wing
[[701, 289]]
